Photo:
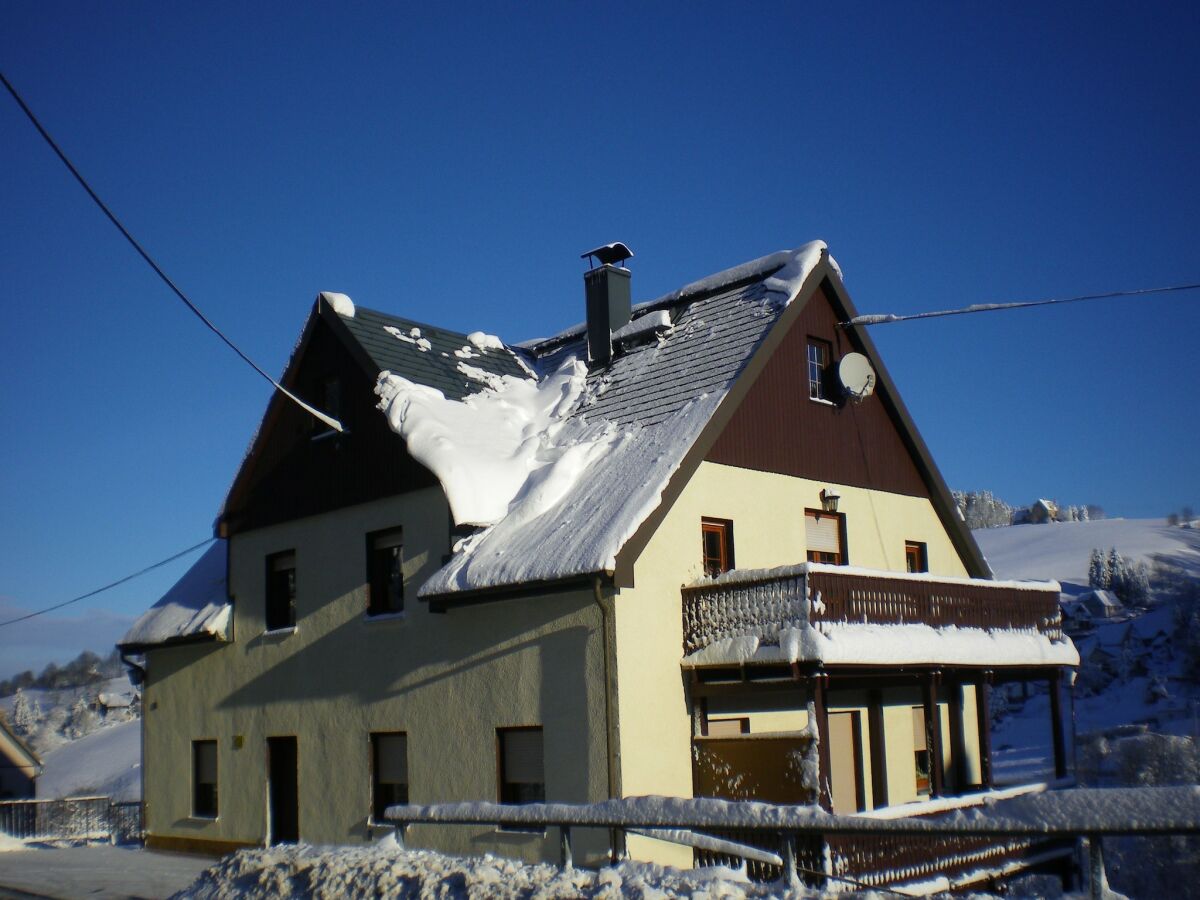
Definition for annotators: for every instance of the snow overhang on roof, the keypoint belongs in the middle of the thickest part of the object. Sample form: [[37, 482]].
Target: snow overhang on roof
[[560, 467], [196, 608]]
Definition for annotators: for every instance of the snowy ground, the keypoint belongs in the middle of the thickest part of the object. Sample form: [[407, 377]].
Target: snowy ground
[[101, 872], [1060, 550], [106, 762]]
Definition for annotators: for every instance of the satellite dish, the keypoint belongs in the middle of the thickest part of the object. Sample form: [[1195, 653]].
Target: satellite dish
[[857, 376]]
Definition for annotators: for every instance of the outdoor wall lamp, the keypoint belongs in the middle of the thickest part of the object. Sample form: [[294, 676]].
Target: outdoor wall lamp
[[829, 500]]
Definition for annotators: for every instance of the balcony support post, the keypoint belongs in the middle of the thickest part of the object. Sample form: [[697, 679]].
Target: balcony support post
[[983, 703], [958, 743], [1057, 725], [879, 786], [933, 733], [821, 711]]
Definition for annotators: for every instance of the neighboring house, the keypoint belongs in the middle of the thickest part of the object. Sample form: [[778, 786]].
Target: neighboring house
[[19, 766], [660, 553], [1102, 604], [1076, 617], [1043, 511]]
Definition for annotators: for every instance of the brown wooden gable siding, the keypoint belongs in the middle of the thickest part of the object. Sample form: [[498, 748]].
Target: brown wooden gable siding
[[291, 475], [777, 428]]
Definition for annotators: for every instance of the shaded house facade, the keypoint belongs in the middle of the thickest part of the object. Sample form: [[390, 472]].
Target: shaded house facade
[[19, 766], [711, 572]]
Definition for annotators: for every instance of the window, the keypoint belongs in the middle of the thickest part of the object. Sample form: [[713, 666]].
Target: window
[[385, 572], [729, 727], [916, 558], [204, 779], [521, 774], [820, 353], [331, 405], [281, 590], [920, 750], [389, 771], [823, 534], [717, 545]]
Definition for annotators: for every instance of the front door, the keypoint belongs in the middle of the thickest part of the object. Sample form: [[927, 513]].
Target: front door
[[283, 791]]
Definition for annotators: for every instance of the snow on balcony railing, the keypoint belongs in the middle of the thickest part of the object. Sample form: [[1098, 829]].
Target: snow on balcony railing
[[742, 615]]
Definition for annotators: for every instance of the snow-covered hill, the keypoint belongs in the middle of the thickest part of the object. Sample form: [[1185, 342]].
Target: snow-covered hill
[[1060, 550], [106, 762]]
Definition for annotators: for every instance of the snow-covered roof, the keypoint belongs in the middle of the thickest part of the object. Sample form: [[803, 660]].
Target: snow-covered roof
[[561, 468], [196, 608], [1103, 598]]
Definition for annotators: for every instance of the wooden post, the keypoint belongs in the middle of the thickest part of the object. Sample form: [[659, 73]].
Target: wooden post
[[401, 828], [1097, 879], [983, 703], [1057, 725], [879, 786], [824, 773], [933, 734], [958, 742], [787, 842]]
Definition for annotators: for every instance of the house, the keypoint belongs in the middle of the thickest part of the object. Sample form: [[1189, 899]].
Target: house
[[1043, 511], [669, 551], [19, 766], [1077, 619], [1102, 604]]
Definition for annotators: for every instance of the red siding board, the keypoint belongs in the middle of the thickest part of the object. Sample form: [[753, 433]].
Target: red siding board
[[777, 428]]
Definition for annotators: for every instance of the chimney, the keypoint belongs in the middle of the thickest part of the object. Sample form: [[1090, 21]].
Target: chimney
[[609, 299]]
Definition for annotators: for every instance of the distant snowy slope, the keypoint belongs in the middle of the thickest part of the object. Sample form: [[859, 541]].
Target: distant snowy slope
[[1061, 550], [105, 762]]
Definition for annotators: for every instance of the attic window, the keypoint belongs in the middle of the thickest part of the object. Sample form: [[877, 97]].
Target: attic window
[[820, 354], [385, 573], [916, 556], [716, 545], [281, 590]]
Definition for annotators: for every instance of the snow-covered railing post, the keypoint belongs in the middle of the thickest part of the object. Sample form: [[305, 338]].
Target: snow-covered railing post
[[787, 842], [1097, 878], [564, 841]]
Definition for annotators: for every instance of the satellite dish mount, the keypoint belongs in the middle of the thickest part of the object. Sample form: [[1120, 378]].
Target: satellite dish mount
[[857, 377]]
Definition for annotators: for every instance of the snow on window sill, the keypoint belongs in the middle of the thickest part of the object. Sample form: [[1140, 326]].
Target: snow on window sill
[[398, 616], [204, 820], [822, 401], [279, 632]]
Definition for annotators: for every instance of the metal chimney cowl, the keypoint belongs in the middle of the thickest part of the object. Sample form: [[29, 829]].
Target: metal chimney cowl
[[609, 306]]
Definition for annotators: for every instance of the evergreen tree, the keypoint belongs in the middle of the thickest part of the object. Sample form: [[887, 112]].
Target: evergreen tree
[[1096, 570], [1112, 567], [26, 713]]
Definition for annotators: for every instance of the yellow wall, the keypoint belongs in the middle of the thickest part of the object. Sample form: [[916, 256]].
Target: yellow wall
[[447, 680], [767, 511]]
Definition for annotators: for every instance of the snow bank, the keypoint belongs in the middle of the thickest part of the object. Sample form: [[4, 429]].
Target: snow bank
[[384, 872], [197, 604], [504, 449], [837, 642], [342, 305]]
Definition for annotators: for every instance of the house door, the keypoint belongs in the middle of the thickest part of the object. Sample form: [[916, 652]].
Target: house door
[[845, 762], [283, 791]]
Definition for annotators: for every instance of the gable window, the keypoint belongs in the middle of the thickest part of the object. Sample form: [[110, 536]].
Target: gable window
[[331, 405], [820, 354], [916, 557], [824, 535], [389, 771], [522, 779], [204, 779], [716, 545], [281, 590], [385, 572]]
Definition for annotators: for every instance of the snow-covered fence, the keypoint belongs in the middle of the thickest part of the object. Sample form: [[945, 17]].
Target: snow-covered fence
[[992, 838], [72, 819], [763, 606]]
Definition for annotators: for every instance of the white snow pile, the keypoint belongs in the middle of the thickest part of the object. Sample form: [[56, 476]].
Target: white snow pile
[[342, 305], [412, 336], [384, 871], [508, 446], [481, 341], [198, 604], [8, 843]]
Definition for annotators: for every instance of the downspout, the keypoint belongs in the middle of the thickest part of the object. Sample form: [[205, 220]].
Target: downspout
[[616, 837]]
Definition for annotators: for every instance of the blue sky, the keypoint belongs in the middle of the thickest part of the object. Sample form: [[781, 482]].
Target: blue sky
[[450, 162]]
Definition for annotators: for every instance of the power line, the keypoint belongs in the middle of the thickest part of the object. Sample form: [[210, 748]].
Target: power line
[[331, 422], [888, 318], [101, 590]]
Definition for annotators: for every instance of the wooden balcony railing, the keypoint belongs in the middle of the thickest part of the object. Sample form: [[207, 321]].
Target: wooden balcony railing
[[765, 603]]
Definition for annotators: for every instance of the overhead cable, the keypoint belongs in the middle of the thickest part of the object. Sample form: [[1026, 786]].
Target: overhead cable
[[119, 581], [331, 422], [888, 318]]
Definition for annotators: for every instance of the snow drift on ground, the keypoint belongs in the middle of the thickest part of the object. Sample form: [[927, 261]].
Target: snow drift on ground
[[1060, 550], [103, 763], [386, 872]]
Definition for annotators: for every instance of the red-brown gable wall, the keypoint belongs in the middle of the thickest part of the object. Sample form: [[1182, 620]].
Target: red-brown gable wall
[[778, 428]]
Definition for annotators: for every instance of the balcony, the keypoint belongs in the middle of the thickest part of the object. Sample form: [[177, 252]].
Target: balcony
[[835, 614]]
